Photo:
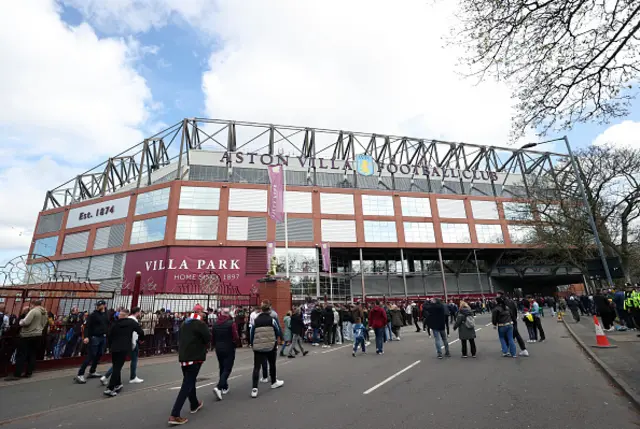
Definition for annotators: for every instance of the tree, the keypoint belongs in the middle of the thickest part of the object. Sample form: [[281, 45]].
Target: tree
[[568, 61], [612, 180]]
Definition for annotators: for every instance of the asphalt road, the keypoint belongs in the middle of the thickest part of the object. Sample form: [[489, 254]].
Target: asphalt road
[[407, 387]]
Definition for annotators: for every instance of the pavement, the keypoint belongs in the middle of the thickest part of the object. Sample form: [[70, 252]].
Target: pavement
[[407, 387], [622, 361]]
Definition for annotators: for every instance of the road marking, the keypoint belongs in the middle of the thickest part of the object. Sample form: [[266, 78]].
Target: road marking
[[478, 329], [454, 341], [388, 379], [336, 348], [207, 384], [488, 324]]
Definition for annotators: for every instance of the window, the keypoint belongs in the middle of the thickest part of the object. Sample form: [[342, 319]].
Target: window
[[298, 229], [453, 209], [377, 205], [109, 236], [75, 243], [419, 232], [489, 234], [50, 223], [301, 260], [380, 232], [148, 230], [521, 234], [336, 203], [455, 233], [517, 211], [46, 246], [237, 228], [154, 201], [248, 200], [197, 227], [341, 231], [199, 198], [419, 207], [484, 209], [298, 202]]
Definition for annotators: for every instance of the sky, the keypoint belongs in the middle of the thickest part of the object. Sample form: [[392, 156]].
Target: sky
[[86, 79]]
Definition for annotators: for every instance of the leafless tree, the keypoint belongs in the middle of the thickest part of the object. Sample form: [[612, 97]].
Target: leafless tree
[[612, 180], [568, 61]]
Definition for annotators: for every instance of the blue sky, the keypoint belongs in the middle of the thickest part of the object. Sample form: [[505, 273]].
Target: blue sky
[[99, 75]]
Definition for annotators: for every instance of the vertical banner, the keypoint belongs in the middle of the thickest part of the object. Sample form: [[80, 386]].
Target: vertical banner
[[326, 258], [271, 252], [276, 193]]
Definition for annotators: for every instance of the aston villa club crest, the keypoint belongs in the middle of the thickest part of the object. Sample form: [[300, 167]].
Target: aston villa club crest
[[365, 165]]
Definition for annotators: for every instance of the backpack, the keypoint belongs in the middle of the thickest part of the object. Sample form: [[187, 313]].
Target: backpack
[[470, 322]]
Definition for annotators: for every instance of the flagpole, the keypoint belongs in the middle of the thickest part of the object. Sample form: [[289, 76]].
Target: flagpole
[[330, 277], [286, 229]]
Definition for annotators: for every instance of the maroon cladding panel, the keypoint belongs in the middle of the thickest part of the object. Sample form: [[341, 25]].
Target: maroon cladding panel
[[256, 260]]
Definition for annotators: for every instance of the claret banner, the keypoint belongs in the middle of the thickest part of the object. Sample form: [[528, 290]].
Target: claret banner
[[189, 270]]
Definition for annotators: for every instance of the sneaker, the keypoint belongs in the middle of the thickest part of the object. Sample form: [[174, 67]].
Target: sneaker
[[95, 375], [474, 356], [80, 379], [353, 354], [339, 344], [524, 353], [464, 356], [506, 355], [398, 339], [264, 380], [439, 356], [218, 393], [278, 383], [104, 380], [254, 393], [175, 421], [225, 391], [315, 344], [447, 355], [368, 343], [304, 353], [291, 357], [198, 408], [514, 356], [110, 393], [118, 388], [541, 341], [136, 381]]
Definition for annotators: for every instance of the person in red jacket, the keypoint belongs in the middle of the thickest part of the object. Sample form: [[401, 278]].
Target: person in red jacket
[[378, 321]]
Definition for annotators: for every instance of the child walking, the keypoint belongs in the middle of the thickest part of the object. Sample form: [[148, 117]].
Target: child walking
[[358, 336], [531, 329]]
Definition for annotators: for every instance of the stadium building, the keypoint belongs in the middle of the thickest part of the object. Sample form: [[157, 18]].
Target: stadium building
[[404, 217]]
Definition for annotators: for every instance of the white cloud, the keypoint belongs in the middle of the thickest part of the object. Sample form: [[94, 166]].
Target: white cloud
[[69, 100], [626, 133]]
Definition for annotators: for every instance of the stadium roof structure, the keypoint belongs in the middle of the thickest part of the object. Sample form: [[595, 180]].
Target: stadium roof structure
[[166, 156]]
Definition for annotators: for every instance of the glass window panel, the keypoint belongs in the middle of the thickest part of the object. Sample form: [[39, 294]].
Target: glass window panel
[[489, 233], [336, 203], [484, 209], [419, 232], [148, 230], [377, 205], [302, 286], [455, 233], [521, 234], [197, 227], [248, 200], [237, 228], [415, 206], [453, 209], [380, 232], [154, 201], [340, 231], [517, 211], [46, 246], [301, 260], [199, 198]]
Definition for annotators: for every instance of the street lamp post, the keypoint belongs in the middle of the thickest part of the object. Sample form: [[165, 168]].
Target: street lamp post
[[585, 200]]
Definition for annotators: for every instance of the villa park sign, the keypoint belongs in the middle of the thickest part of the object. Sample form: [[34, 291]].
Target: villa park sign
[[364, 165]]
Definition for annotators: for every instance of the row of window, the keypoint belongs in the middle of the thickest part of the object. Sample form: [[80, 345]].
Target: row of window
[[255, 200], [255, 229]]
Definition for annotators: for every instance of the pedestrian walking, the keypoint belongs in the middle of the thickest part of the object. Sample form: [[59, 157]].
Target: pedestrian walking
[[225, 339], [513, 309], [120, 340], [378, 321], [536, 311], [135, 351], [264, 341], [397, 321], [192, 352], [435, 320], [95, 337], [358, 337], [287, 335], [31, 331], [465, 322], [297, 333], [501, 320]]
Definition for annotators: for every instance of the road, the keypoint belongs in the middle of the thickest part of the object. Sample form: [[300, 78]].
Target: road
[[407, 387]]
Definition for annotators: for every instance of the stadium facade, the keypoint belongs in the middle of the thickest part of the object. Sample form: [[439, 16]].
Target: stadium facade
[[403, 216]]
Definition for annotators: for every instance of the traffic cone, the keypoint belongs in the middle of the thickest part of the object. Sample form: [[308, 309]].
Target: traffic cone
[[601, 338], [560, 315]]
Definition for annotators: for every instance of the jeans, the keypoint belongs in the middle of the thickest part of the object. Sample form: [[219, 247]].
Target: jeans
[[441, 340], [506, 339], [538, 325], [132, 367], [328, 330], [71, 346], [296, 340], [359, 342], [226, 358], [26, 355], [337, 334], [259, 360], [96, 349], [316, 335], [379, 339], [387, 332], [472, 341], [188, 389], [117, 362]]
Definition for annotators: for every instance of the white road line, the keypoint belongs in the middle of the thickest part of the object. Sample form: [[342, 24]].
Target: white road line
[[488, 324], [454, 341], [336, 348], [207, 384], [385, 381], [478, 329]]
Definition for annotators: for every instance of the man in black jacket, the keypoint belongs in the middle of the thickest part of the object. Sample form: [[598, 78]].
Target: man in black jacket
[[327, 325], [434, 316], [95, 336], [192, 352], [120, 343], [225, 339]]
